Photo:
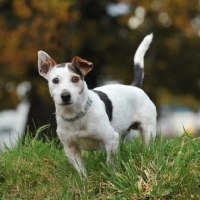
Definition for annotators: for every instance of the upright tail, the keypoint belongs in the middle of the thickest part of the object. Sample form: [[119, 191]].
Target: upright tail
[[139, 61]]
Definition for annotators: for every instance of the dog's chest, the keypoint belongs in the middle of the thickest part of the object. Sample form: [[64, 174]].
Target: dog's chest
[[89, 144], [79, 137]]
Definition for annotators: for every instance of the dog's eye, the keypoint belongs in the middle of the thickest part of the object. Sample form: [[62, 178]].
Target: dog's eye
[[75, 79], [55, 81]]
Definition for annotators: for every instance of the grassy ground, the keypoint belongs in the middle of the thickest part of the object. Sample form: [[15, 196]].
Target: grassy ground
[[169, 169]]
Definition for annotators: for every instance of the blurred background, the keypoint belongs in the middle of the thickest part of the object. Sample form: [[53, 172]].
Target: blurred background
[[107, 33]]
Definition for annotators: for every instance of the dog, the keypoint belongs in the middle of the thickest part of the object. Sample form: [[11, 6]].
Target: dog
[[93, 119]]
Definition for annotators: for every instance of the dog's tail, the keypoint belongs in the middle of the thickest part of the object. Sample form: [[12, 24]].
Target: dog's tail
[[139, 61]]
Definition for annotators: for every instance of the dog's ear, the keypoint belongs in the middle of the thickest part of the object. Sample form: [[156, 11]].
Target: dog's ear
[[45, 63], [84, 65]]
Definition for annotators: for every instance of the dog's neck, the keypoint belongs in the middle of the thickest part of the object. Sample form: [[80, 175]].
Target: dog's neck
[[69, 112], [80, 114]]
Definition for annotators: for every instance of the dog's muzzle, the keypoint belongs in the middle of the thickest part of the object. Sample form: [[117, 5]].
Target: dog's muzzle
[[66, 98]]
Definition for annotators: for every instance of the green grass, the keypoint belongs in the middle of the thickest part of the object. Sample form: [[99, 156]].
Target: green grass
[[169, 169]]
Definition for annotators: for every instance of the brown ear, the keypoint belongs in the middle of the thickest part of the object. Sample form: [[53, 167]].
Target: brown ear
[[84, 65]]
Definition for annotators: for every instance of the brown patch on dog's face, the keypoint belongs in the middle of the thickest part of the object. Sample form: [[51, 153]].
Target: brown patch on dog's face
[[76, 80]]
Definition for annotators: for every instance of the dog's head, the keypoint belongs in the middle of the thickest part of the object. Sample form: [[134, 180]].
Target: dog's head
[[66, 80]]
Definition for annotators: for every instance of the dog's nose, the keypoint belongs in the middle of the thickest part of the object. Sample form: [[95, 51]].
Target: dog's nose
[[66, 96]]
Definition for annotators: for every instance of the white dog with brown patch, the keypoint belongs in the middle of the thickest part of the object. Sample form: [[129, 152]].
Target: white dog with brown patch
[[92, 119]]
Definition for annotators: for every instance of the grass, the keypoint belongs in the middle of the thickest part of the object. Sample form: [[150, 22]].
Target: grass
[[169, 169]]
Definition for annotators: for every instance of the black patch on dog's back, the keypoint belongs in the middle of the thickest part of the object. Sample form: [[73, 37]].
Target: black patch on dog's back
[[107, 102], [75, 69]]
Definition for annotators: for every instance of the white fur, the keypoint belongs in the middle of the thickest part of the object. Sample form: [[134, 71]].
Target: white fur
[[94, 131], [131, 104], [139, 55]]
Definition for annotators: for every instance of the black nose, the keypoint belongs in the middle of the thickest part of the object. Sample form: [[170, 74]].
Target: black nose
[[66, 96]]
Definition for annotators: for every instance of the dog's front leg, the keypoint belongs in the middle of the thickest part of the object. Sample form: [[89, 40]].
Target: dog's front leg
[[74, 156], [111, 146]]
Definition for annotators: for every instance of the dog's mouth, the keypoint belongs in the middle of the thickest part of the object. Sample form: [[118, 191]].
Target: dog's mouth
[[66, 103]]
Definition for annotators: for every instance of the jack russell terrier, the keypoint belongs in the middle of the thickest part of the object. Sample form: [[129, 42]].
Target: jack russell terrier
[[93, 119]]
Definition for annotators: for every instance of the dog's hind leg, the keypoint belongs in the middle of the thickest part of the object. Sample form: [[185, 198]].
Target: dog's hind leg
[[148, 132], [74, 156]]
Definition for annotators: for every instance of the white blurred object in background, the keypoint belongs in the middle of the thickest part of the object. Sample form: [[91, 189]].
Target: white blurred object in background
[[13, 122], [175, 120]]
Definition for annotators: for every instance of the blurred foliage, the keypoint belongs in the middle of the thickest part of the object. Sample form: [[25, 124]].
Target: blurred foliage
[[66, 28]]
